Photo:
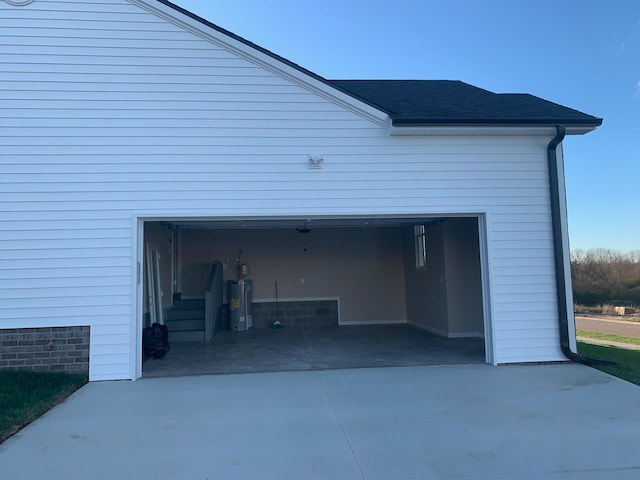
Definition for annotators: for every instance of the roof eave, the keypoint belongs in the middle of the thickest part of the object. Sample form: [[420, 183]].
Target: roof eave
[[452, 129], [401, 127]]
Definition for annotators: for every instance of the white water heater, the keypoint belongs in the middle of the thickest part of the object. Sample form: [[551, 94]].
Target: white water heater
[[240, 304]]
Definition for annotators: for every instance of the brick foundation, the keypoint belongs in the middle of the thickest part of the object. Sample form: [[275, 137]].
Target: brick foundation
[[48, 349], [296, 313]]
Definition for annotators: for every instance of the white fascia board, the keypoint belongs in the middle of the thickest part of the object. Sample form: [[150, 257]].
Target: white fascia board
[[265, 61], [472, 130], [578, 129]]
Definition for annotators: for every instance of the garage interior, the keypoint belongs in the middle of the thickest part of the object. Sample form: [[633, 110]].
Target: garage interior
[[257, 295]]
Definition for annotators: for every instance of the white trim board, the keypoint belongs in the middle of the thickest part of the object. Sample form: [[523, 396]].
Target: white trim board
[[375, 322], [296, 299]]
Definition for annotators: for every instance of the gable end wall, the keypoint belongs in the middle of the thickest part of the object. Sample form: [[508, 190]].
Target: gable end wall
[[109, 113]]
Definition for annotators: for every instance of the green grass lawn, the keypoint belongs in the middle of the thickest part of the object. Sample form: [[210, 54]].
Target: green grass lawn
[[607, 336], [24, 396], [628, 361]]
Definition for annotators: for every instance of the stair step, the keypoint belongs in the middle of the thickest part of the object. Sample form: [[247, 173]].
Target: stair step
[[185, 314], [192, 303], [190, 336], [185, 325], [185, 320]]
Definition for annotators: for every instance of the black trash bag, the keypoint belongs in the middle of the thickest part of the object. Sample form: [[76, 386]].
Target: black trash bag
[[155, 341]]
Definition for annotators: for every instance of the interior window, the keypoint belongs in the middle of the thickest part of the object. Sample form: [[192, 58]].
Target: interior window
[[421, 246]]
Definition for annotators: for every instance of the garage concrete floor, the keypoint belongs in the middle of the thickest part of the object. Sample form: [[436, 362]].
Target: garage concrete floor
[[536, 422], [314, 348]]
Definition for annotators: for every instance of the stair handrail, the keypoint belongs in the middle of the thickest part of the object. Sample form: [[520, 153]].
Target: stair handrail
[[210, 310]]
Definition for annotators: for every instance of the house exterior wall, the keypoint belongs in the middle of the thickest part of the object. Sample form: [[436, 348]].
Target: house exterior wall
[[361, 266], [111, 113], [45, 349]]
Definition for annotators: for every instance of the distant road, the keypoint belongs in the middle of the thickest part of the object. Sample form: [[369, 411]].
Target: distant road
[[614, 327]]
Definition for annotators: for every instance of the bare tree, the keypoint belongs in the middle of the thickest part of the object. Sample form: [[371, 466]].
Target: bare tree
[[606, 276]]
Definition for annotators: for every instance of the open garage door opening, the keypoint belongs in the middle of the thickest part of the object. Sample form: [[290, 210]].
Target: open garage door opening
[[294, 294]]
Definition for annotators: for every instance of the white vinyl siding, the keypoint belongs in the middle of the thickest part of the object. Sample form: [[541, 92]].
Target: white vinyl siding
[[109, 111]]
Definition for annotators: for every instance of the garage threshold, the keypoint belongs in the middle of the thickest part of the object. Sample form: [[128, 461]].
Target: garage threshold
[[314, 348]]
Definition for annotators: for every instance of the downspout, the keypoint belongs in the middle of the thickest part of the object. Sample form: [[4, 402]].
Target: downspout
[[559, 253]]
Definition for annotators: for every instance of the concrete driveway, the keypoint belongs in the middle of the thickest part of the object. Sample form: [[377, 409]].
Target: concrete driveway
[[455, 422]]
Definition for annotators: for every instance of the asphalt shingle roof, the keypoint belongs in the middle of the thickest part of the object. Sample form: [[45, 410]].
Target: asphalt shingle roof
[[442, 102]]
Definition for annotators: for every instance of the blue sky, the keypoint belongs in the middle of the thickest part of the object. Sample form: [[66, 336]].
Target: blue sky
[[584, 54]]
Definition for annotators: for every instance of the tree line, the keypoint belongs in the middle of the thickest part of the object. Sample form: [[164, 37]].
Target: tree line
[[601, 276]]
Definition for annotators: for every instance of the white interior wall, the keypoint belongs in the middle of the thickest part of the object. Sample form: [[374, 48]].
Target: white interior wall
[[364, 267], [446, 297], [463, 277], [426, 289]]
